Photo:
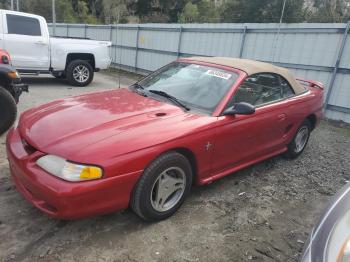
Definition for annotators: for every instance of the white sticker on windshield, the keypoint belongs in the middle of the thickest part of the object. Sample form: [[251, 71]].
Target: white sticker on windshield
[[219, 74]]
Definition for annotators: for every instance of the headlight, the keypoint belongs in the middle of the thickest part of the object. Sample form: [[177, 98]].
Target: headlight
[[13, 74], [338, 247], [61, 168]]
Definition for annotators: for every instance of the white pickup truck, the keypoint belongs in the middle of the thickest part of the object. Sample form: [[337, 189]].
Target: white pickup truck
[[26, 38]]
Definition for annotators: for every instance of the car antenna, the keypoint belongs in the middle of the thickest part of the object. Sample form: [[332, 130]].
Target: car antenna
[[120, 52], [275, 40]]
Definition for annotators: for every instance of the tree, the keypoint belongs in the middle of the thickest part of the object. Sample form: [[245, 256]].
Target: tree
[[189, 14], [65, 12], [114, 11], [262, 11], [204, 11], [331, 11], [172, 8], [143, 7], [83, 15], [208, 13]]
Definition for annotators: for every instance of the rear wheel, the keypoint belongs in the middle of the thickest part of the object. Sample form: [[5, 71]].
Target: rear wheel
[[8, 110], [163, 187], [300, 140], [79, 73]]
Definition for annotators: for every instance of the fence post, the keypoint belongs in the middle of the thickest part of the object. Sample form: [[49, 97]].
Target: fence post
[[336, 66], [110, 33], [67, 30], [179, 42], [85, 31], [243, 41], [137, 46]]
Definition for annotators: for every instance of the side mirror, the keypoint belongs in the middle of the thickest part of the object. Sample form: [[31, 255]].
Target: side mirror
[[241, 108]]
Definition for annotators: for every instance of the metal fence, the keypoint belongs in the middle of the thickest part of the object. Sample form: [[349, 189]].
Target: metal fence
[[313, 51]]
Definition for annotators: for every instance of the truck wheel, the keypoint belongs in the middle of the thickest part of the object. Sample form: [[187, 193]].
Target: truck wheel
[[79, 73], [8, 110]]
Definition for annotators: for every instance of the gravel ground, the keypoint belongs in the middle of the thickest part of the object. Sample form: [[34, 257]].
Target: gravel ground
[[262, 213]]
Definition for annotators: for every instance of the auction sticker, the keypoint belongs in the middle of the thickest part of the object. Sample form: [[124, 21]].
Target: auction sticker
[[219, 74]]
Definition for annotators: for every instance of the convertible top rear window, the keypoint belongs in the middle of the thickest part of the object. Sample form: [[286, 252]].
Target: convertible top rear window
[[195, 85]]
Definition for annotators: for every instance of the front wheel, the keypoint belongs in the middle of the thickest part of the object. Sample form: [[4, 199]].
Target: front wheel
[[8, 110], [163, 187], [79, 73], [299, 142]]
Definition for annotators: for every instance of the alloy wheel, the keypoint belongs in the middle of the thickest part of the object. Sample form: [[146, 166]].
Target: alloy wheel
[[301, 139], [168, 189], [81, 73]]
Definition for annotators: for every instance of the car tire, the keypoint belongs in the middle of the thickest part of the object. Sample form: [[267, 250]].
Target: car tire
[[79, 73], [169, 172], [8, 110], [300, 140]]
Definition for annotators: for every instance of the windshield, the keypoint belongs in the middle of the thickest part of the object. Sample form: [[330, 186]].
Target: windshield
[[194, 85]]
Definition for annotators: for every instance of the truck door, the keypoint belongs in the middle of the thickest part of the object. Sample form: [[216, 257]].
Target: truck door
[[26, 39]]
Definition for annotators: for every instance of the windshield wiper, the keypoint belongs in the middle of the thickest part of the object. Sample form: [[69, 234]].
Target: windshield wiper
[[171, 98], [139, 89]]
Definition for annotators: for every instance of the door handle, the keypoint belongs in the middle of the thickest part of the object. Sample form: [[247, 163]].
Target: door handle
[[40, 43], [282, 117]]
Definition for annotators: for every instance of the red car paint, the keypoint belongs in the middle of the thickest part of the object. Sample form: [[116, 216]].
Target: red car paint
[[123, 132]]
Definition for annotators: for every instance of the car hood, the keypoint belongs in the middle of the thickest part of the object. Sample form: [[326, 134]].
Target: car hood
[[67, 127]]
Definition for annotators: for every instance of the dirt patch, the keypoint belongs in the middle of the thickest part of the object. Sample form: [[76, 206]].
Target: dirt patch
[[262, 213]]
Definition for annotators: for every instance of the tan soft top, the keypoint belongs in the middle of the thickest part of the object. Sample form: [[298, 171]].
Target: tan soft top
[[252, 67]]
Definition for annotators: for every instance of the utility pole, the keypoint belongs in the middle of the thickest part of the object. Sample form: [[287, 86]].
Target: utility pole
[[12, 5], [17, 5], [54, 17]]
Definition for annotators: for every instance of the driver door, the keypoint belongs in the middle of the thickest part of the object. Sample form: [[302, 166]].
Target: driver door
[[241, 139]]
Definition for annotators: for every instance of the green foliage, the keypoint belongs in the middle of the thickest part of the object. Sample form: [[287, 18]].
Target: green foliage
[[189, 14], [65, 12], [331, 11], [262, 11], [114, 11], [202, 12], [188, 11], [208, 13], [83, 15]]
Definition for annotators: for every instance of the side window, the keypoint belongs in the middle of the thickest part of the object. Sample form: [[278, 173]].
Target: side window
[[22, 25], [287, 90], [259, 89]]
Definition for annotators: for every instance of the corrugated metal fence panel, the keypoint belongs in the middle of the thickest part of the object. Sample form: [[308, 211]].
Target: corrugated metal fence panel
[[155, 40], [99, 32], [125, 37], [341, 95], [345, 60], [211, 44], [61, 30], [78, 31], [309, 50]]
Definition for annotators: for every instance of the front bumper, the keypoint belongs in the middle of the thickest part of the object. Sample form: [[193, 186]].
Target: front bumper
[[63, 199]]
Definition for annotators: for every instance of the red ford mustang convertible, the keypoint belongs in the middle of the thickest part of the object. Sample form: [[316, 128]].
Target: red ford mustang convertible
[[191, 122]]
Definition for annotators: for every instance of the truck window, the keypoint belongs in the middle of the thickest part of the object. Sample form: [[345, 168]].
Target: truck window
[[22, 25]]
